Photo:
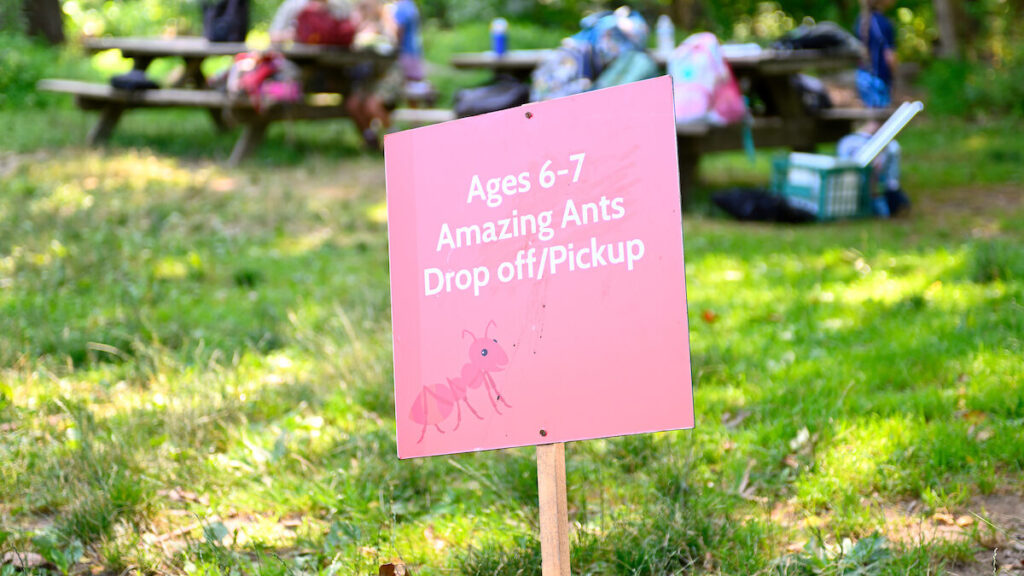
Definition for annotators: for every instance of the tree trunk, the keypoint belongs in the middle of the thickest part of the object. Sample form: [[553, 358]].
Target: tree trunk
[[45, 19], [946, 21], [686, 13]]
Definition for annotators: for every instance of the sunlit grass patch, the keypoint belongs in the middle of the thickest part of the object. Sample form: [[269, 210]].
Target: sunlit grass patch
[[184, 346]]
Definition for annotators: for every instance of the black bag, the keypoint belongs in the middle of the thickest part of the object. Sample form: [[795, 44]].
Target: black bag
[[813, 94], [226, 20], [755, 205], [823, 36], [133, 80], [505, 93]]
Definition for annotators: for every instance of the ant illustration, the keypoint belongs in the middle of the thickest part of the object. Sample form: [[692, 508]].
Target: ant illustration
[[435, 402]]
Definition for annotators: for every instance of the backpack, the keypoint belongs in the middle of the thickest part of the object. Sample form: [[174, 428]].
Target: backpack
[[704, 87], [629, 67], [265, 78], [316, 24], [226, 20], [566, 71], [611, 34], [603, 37]]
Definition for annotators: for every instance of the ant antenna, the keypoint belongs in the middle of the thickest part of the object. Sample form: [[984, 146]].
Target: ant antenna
[[464, 332], [488, 328]]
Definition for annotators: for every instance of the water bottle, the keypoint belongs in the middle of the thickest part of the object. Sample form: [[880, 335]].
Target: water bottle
[[666, 35], [499, 36]]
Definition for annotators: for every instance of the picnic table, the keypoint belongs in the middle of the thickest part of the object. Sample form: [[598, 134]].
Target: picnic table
[[781, 118], [190, 89]]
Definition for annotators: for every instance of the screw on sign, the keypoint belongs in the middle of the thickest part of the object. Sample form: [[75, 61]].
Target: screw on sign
[[435, 402]]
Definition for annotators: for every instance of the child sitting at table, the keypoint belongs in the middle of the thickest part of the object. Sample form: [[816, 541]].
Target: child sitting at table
[[385, 28], [283, 26], [885, 171], [371, 100]]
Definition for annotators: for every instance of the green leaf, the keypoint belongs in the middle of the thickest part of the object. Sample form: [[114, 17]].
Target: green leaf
[[215, 532]]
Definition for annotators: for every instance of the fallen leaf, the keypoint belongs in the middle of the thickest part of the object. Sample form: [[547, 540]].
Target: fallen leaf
[[394, 568], [745, 478], [964, 521], [222, 185], [944, 518], [730, 421], [984, 434], [25, 560], [973, 416], [802, 437], [179, 495], [436, 542]]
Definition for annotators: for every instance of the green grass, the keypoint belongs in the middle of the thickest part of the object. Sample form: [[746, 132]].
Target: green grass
[[195, 371], [168, 324]]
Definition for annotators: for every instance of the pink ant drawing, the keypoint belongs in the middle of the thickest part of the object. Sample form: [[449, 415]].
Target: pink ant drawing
[[434, 404]]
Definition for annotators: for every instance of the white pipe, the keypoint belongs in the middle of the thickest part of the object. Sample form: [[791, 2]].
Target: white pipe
[[887, 132]]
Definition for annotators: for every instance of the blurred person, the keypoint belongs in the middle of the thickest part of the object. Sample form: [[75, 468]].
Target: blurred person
[[371, 99], [405, 18], [875, 75], [283, 26], [885, 171]]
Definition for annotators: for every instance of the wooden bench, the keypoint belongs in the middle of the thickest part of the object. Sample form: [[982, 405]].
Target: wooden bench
[[802, 134], [224, 110]]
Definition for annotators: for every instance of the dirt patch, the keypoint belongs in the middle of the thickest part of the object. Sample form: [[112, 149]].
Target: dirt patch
[[993, 525], [1001, 533], [10, 162], [989, 200]]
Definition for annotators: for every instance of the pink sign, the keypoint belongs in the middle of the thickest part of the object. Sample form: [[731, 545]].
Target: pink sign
[[537, 282]]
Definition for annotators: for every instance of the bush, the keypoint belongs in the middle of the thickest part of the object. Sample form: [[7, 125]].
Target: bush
[[25, 61], [11, 19], [975, 89]]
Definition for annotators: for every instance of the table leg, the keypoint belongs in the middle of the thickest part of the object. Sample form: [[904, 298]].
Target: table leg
[[142, 62], [217, 117], [252, 136], [689, 162], [194, 72], [103, 129]]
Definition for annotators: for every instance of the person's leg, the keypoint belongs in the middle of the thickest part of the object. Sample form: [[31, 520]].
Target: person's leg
[[360, 108], [376, 110], [889, 179], [890, 174], [354, 108]]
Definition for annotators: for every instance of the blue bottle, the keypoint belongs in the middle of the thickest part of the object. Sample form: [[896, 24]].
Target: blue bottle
[[499, 36]]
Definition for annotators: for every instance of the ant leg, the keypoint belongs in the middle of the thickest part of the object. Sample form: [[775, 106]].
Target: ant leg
[[487, 389], [458, 416], [471, 409], [423, 434], [438, 428], [494, 387]]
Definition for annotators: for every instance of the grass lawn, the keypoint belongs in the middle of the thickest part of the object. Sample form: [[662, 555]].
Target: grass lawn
[[195, 374]]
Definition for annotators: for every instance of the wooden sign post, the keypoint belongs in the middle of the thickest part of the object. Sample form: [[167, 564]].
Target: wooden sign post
[[538, 293], [554, 509]]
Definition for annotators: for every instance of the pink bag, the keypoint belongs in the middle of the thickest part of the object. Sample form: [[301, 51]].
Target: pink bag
[[705, 89]]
